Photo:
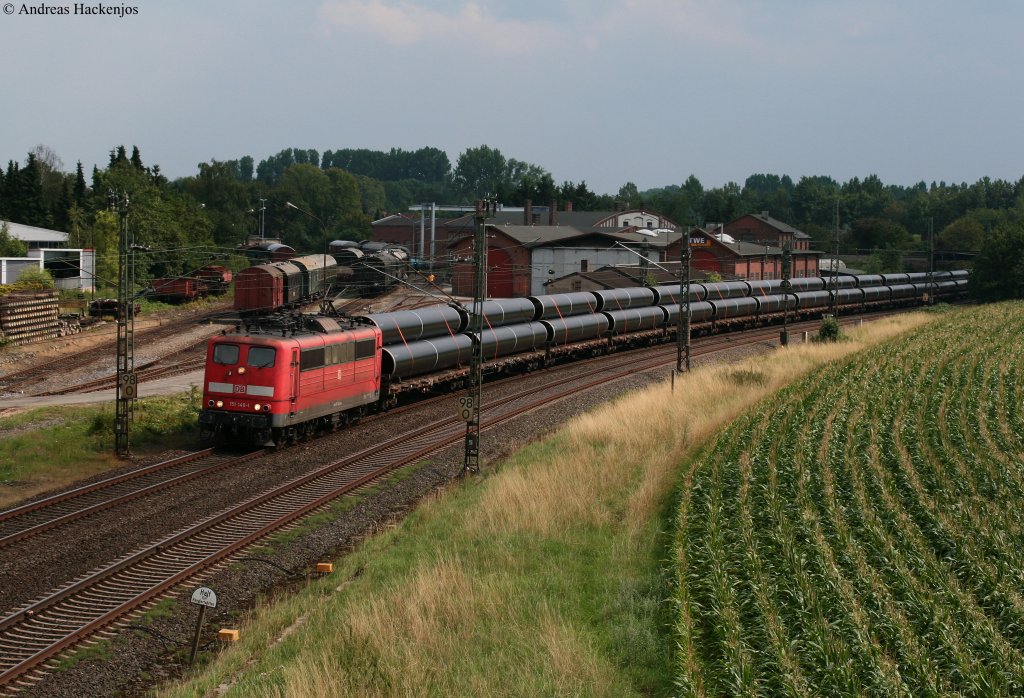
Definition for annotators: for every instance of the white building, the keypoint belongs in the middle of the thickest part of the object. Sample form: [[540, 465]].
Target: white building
[[48, 249]]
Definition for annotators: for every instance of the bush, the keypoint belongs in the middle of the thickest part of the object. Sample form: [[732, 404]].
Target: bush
[[38, 277], [829, 330]]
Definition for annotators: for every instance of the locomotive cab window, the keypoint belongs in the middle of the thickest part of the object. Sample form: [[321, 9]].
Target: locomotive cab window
[[225, 354], [311, 359], [261, 357]]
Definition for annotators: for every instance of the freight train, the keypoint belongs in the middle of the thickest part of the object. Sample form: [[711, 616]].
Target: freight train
[[366, 268], [211, 280], [286, 377]]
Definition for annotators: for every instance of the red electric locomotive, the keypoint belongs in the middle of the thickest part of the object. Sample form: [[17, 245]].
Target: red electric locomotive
[[278, 385]]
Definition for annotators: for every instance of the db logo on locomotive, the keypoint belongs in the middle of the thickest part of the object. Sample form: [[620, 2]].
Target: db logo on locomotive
[[239, 388]]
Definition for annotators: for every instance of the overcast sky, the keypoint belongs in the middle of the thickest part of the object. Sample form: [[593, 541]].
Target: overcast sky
[[606, 91]]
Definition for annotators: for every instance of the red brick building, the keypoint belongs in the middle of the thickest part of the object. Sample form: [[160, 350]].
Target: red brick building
[[762, 228], [714, 252]]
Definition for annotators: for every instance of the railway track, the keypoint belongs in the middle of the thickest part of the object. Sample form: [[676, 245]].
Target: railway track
[[31, 636], [19, 523], [26, 380]]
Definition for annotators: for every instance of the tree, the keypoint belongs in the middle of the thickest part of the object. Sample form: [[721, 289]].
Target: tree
[[999, 266], [867, 234], [79, 191], [27, 204], [814, 200], [965, 234], [225, 198], [10, 246], [481, 172], [722, 204], [629, 195], [579, 194]]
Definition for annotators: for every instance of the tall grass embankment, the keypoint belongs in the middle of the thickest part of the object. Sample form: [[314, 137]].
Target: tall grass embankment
[[543, 576]]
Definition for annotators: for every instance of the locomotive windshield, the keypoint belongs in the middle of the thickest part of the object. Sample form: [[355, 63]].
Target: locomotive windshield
[[225, 354], [261, 357]]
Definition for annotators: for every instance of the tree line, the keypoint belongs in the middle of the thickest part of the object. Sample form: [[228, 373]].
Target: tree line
[[336, 194]]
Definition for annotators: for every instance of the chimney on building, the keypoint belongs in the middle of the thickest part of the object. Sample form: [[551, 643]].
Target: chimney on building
[[528, 213], [553, 213], [764, 214]]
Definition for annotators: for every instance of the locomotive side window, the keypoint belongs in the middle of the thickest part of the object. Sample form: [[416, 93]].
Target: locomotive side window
[[339, 353], [225, 354], [261, 357], [311, 358], [366, 349]]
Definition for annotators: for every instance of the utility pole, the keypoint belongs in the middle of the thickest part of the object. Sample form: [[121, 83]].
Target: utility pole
[[835, 264], [683, 323], [127, 380], [787, 261], [644, 267], [470, 404], [931, 261]]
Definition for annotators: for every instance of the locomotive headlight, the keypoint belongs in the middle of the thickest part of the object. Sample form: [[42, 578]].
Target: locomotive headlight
[[266, 408], [256, 407], [220, 403], [209, 403], [241, 370]]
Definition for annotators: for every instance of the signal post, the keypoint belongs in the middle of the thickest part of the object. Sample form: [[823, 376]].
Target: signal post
[[469, 406]]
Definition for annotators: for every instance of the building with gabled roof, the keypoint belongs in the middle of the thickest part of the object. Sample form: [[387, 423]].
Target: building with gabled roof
[[714, 252], [48, 249], [605, 278], [428, 236], [522, 258], [761, 228]]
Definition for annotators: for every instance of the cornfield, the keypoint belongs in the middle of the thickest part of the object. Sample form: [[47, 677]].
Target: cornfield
[[863, 531]]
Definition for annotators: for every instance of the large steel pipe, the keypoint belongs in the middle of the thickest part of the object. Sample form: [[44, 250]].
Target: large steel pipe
[[765, 287], [876, 293], [850, 296], [506, 311], [666, 295], [623, 298], [720, 290], [561, 305], [403, 326], [813, 299], [903, 291], [636, 319], [513, 339], [806, 283], [576, 328], [775, 303], [734, 307], [426, 356], [699, 312]]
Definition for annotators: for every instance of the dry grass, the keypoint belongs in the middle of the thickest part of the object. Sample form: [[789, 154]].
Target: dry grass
[[599, 452], [541, 578]]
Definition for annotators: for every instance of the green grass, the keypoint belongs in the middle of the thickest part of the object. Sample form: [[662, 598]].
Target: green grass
[[548, 575], [49, 447]]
